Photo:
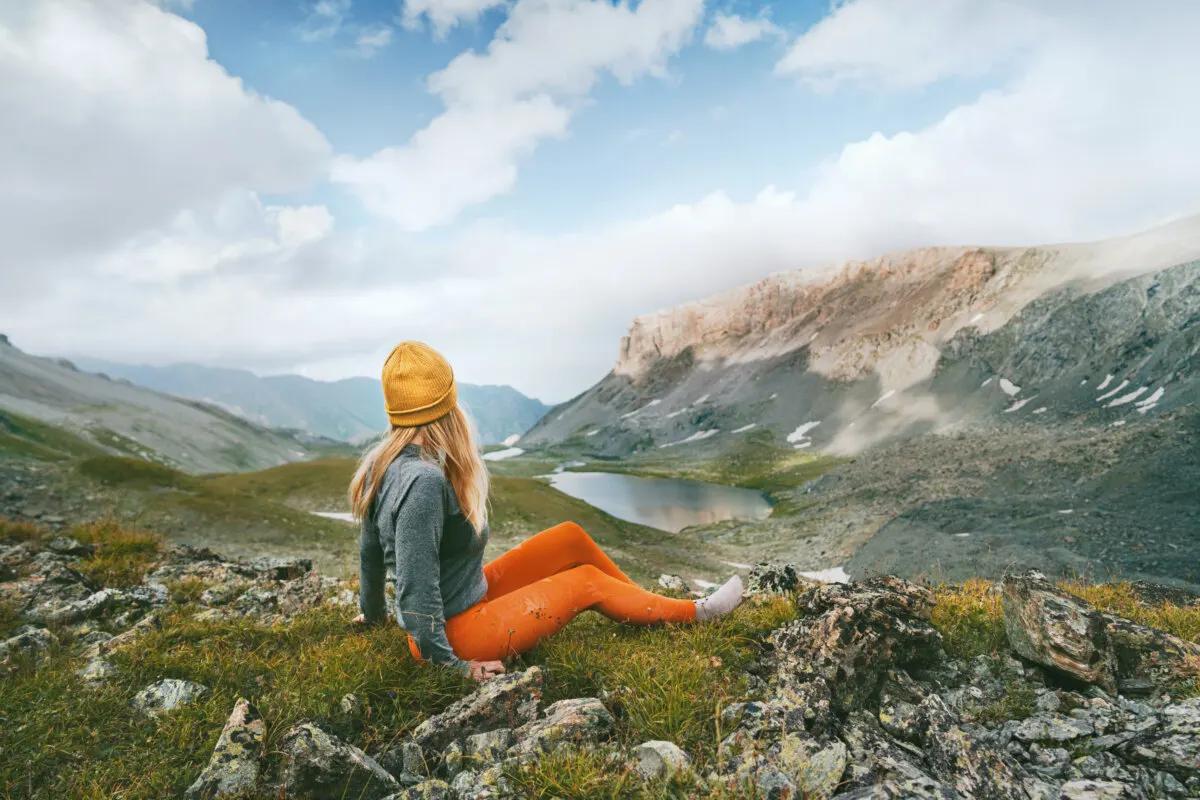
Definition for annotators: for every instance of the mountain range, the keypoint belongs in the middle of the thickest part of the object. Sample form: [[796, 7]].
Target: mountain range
[[120, 418], [957, 411], [348, 410]]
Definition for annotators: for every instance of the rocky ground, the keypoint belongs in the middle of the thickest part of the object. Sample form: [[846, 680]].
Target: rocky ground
[[856, 697]]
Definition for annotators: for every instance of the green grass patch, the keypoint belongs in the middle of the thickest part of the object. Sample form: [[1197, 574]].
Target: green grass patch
[[125, 471], [312, 485], [970, 619], [64, 741], [24, 437], [122, 555], [1019, 701], [667, 682]]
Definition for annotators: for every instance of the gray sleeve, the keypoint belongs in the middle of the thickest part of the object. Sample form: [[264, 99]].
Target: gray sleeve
[[418, 530], [370, 574]]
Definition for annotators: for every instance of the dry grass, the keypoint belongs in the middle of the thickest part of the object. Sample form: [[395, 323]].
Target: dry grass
[[122, 556], [15, 531], [970, 619]]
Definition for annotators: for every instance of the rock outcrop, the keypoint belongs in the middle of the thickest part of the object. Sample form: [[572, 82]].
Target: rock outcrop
[[854, 699], [1052, 628]]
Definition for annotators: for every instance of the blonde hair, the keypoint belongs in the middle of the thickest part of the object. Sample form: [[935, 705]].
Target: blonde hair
[[449, 440]]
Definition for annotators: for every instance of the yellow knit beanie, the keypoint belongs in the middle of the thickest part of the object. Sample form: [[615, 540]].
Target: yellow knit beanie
[[418, 385]]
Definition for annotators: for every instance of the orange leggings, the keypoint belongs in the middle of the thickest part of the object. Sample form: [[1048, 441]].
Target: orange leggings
[[542, 584]]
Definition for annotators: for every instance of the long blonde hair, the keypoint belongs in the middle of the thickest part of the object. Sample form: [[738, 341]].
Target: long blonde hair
[[450, 441]]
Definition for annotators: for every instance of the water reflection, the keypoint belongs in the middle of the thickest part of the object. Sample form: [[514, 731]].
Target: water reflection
[[669, 504]]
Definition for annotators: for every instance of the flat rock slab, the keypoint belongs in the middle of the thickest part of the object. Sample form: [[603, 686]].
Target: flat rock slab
[[167, 695]]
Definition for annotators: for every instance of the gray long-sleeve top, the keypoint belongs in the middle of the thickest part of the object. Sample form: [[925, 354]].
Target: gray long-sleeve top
[[417, 528]]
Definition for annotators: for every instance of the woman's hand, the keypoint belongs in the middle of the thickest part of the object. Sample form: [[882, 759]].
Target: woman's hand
[[484, 670]]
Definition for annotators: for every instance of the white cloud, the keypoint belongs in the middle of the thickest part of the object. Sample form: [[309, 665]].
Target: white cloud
[[465, 156], [117, 121], [907, 43], [324, 19], [730, 31], [445, 14], [1088, 130], [237, 233], [372, 40], [501, 103]]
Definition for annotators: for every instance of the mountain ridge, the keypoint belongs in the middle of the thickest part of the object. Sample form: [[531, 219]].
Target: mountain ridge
[[349, 409]]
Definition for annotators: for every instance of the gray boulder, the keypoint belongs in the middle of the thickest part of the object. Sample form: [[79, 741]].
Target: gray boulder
[[505, 701], [167, 695], [579, 721], [319, 766], [234, 765], [1052, 628]]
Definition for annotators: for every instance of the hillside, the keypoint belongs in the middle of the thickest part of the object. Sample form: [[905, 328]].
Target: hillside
[[945, 412], [910, 343], [348, 410], [209, 677], [118, 418]]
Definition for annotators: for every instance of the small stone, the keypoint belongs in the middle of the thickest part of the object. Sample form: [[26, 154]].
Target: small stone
[[29, 641], [452, 758], [432, 789], [351, 705], [234, 765], [672, 583], [167, 695], [282, 569], [660, 760], [68, 546], [317, 765], [97, 671], [1097, 790], [1056, 728]]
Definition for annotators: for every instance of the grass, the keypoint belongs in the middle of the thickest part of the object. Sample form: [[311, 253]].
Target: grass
[[25, 437], [318, 485], [970, 619], [59, 739], [667, 682], [1018, 702], [15, 531], [126, 472], [122, 556]]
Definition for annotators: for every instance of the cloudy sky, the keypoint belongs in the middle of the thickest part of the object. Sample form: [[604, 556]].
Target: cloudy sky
[[294, 185]]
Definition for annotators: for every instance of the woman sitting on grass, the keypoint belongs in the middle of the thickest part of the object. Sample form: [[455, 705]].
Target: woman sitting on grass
[[421, 495]]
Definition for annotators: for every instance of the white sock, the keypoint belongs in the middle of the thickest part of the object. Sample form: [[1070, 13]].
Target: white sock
[[726, 598]]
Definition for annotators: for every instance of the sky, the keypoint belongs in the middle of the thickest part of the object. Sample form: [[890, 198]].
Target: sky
[[296, 185]]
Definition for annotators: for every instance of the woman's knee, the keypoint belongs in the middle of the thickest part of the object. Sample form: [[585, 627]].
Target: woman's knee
[[572, 535]]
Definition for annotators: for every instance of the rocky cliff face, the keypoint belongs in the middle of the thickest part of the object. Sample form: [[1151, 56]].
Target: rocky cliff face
[[847, 358]]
